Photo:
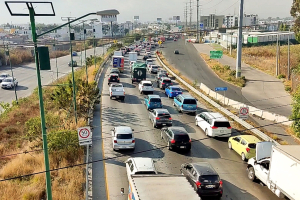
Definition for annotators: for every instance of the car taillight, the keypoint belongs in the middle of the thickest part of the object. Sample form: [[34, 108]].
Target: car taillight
[[181, 106], [171, 92], [190, 141], [171, 83], [214, 127], [173, 141], [163, 83], [229, 127], [133, 141], [157, 118], [198, 184], [247, 149], [115, 141], [111, 93], [124, 93], [118, 78], [170, 118], [221, 183], [108, 78]]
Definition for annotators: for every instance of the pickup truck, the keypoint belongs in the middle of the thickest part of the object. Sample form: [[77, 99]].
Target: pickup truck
[[278, 167], [117, 91]]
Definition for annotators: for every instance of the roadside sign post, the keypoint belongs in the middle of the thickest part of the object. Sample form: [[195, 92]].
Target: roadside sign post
[[159, 42], [85, 138], [216, 54], [244, 112], [221, 89]]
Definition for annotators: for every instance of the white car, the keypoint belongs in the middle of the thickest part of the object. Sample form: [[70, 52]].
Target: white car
[[140, 165], [146, 86], [149, 60], [213, 124], [117, 91], [9, 83], [122, 138], [3, 76], [153, 69]]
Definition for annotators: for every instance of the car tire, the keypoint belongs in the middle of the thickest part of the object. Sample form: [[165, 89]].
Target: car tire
[[110, 97], [196, 122], [154, 125], [244, 157], [195, 113], [169, 146], [161, 135], [131, 82], [251, 173], [229, 145], [141, 92], [206, 133], [168, 96], [123, 99]]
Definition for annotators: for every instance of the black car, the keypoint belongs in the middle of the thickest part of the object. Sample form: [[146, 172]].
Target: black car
[[145, 57], [176, 137], [164, 82], [113, 78], [203, 178], [176, 52], [74, 63], [159, 76]]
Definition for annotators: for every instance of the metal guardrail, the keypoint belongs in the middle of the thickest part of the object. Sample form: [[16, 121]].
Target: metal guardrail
[[219, 107]]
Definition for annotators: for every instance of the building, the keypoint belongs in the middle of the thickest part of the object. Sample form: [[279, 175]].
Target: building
[[230, 21], [212, 21], [250, 20]]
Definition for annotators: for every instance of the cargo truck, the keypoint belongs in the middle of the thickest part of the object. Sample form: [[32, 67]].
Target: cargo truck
[[118, 53], [278, 167], [118, 62], [138, 72], [133, 56]]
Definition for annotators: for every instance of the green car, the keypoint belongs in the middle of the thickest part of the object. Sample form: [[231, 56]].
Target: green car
[[74, 63], [138, 72]]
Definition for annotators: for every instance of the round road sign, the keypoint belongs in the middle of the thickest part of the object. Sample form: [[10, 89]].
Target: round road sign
[[244, 111], [84, 133]]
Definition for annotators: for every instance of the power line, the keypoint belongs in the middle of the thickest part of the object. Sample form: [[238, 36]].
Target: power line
[[229, 7], [100, 160], [214, 5]]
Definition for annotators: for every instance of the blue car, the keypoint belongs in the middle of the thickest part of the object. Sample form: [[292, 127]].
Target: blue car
[[185, 104], [173, 91], [74, 53], [152, 102]]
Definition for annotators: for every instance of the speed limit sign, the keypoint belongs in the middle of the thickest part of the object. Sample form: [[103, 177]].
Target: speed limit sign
[[244, 112], [84, 135]]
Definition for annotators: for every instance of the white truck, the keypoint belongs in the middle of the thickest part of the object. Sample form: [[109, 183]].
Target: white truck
[[278, 167], [133, 56], [146, 184], [117, 91], [118, 53]]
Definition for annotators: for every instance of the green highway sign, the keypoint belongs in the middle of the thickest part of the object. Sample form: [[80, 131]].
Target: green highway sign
[[216, 54]]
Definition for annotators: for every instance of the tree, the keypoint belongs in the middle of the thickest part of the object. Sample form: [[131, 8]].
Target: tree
[[295, 12]]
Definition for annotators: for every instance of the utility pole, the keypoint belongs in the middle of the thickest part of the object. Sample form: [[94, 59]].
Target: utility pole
[[190, 14], [239, 42], [186, 14], [55, 58], [288, 72], [72, 65], [197, 35], [12, 72], [277, 56]]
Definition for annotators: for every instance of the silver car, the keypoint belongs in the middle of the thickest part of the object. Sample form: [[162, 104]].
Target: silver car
[[160, 117], [3, 76], [122, 138], [153, 69]]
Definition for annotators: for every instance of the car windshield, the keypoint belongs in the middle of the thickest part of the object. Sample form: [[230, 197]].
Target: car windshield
[[114, 76], [176, 89], [252, 146], [164, 116], [155, 100], [3, 75], [221, 124], [209, 179], [124, 136], [181, 137], [118, 86], [147, 84], [190, 101], [7, 80]]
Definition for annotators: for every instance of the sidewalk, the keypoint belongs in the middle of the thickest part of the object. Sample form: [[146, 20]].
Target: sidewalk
[[262, 90]]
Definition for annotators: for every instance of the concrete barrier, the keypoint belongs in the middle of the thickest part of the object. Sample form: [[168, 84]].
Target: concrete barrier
[[248, 126]]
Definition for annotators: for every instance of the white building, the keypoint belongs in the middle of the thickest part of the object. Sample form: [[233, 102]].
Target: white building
[[230, 21], [250, 20]]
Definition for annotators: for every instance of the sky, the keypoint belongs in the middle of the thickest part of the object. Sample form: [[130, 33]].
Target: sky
[[147, 10]]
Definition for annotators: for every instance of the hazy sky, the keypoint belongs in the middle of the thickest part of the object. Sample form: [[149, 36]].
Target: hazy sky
[[149, 10]]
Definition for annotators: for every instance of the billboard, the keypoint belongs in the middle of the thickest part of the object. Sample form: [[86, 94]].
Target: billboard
[[136, 17], [159, 19], [108, 18], [176, 18]]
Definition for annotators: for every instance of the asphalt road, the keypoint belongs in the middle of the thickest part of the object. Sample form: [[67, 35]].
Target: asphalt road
[[191, 65], [26, 74], [133, 113]]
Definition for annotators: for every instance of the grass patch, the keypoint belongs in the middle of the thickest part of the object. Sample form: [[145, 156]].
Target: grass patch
[[224, 72]]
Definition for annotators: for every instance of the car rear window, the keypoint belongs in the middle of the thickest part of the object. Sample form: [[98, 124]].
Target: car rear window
[[164, 116], [154, 66], [147, 84], [181, 137], [162, 75], [167, 81], [146, 172], [155, 100], [221, 124], [252, 146], [124, 136], [209, 179], [190, 101], [114, 76], [176, 89]]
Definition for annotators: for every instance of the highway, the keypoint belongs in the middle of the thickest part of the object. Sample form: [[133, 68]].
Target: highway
[[26, 74], [133, 113]]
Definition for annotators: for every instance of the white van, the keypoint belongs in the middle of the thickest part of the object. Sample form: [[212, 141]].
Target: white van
[[213, 124]]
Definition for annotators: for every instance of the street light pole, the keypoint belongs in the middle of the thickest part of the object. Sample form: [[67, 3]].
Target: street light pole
[[239, 42], [12, 73], [41, 102], [55, 58], [197, 38]]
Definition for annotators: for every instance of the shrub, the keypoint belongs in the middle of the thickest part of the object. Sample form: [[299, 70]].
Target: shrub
[[280, 76], [227, 67], [232, 73], [216, 67], [195, 83], [10, 130], [296, 112], [288, 88]]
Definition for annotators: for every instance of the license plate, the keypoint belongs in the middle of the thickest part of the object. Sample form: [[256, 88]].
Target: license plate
[[210, 186], [221, 131], [182, 147], [164, 124]]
